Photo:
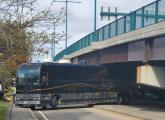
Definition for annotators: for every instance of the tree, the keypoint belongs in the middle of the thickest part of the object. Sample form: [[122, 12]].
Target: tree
[[37, 24], [6, 74], [15, 48], [24, 31]]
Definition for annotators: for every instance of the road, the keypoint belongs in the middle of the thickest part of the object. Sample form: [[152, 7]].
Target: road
[[67, 114]]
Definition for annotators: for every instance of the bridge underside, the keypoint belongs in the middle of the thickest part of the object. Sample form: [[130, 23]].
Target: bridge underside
[[123, 60], [142, 51]]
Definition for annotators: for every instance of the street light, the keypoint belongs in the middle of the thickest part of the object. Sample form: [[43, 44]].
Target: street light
[[66, 5]]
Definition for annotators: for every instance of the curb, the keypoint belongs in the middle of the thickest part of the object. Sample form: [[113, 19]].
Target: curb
[[10, 112], [122, 113]]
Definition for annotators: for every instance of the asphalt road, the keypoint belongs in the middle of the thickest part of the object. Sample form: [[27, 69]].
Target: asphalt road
[[67, 114]]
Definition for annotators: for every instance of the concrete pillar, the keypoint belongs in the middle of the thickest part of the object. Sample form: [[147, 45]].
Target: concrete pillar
[[153, 76]]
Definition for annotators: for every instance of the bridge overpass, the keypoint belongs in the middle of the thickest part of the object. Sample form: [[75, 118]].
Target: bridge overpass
[[137, 39], [138, 36]]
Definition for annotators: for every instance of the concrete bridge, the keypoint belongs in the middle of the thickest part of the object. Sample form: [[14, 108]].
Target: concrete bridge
[[138, 36]]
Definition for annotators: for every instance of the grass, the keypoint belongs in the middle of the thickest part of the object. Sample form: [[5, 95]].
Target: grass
[[4, 106]]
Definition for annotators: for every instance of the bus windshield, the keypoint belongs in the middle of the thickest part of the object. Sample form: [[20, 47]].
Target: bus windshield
[[28, 76]]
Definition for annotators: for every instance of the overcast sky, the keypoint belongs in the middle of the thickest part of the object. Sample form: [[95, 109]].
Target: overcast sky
[[80, 18]]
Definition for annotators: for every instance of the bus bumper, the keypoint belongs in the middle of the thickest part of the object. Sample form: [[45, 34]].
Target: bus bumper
[[27, 100]]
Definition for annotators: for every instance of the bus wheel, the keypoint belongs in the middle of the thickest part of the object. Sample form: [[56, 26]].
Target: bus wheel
[[32, 108], [90, 105], [126, 100], [54, 102], [119, 99], [43, 107]]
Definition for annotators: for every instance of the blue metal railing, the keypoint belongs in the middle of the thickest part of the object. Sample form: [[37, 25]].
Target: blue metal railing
[[147, 15]]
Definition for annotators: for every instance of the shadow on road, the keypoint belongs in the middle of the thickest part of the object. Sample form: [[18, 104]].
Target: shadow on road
[[146, 105], [62, 107]]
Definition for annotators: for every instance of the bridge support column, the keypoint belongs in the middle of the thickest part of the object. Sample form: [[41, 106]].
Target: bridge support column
[[153, 76], [148, 50]]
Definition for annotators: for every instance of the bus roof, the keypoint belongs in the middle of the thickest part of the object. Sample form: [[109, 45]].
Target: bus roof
[[55, 64], [28, 64], [67, 64]]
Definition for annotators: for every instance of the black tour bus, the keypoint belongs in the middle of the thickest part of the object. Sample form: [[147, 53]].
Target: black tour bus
[[54, 84]]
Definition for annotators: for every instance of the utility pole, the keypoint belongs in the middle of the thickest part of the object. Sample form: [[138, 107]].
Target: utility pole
[[95, 22], [53, 40], [66, 29], [109, 14]]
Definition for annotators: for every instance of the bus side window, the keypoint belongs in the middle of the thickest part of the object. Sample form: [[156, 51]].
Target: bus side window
[[44, 78]]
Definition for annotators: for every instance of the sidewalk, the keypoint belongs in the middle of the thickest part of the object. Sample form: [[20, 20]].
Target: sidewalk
[[139, 111]]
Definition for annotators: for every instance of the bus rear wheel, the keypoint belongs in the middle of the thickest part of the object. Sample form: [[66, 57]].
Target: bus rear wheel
[[54, 102], [119, 99], [126, 100], [90, 105]]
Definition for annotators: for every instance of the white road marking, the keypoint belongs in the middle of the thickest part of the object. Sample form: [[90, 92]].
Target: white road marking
[[45, 118], [34, 117]]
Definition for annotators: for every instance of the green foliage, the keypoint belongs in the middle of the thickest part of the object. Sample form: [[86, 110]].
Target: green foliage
[[24, 31], [15, 49], [4, 106], [5, 74], [13, 40]]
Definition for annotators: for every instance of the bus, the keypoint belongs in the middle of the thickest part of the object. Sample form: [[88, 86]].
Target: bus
[[55, 84]]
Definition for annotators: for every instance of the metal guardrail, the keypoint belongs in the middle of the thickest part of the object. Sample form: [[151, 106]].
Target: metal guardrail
[[147, 15]]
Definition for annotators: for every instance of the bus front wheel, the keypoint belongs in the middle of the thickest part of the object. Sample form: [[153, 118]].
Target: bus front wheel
[[54, 102], [43, 107], [32, 108]]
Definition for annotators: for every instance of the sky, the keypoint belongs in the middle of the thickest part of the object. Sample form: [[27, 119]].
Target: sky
[[81, 16]]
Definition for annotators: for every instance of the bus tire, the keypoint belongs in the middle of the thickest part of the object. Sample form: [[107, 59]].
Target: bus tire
[[54, 102], [32, 108], [90, 105], [43, 107], [119, 99], [126, 100]]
